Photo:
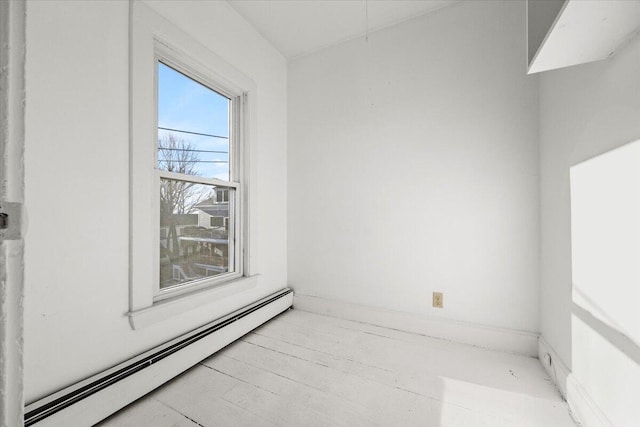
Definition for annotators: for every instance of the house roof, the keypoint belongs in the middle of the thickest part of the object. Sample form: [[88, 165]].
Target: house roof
[[221, 209], [206, 202]]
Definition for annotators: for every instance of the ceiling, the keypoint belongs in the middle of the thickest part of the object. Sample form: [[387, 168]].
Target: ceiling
[[297, 27]]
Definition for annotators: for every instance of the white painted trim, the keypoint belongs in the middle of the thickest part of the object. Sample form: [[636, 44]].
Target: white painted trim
[[554, 365], [198, 179], [151, 35], [507, 340], [100, 405], [583, 408], [12, 144], [165, 309], [211, 282]]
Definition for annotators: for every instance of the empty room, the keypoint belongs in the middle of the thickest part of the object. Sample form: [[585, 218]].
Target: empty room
[[320, 213]]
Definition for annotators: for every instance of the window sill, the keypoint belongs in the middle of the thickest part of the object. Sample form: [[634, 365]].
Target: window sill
[[164, 309]]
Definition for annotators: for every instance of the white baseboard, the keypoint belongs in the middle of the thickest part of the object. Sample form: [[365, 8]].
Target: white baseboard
[[105, 402], [507, 340], [583, 408], [555, 367]]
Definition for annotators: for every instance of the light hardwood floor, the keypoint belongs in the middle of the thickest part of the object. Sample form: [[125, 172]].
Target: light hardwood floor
[[304, 369]]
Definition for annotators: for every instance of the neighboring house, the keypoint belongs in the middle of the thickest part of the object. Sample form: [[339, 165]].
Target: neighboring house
[[202, 239], [214, 212]]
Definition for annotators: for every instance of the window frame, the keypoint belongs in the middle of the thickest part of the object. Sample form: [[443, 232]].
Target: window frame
[[150, 34], [164, 55]]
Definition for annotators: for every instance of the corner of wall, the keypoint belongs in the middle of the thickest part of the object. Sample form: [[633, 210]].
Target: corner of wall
[[499, 339], [582, 407]]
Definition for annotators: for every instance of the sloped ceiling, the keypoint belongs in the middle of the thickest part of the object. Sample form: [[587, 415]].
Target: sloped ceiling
[[297, 27]]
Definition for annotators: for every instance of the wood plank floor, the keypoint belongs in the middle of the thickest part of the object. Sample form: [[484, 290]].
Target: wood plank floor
[[304, 369]]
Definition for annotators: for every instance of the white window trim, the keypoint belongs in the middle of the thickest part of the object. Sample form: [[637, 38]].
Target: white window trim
[[183, 64], [152, 37]]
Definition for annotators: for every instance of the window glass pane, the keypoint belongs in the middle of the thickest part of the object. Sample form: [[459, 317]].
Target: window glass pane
[[194, 232], [193, 126]]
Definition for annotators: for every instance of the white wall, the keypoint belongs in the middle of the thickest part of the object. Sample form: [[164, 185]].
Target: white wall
[[605, 238], [585, 111], [413, 167], [77, 185]]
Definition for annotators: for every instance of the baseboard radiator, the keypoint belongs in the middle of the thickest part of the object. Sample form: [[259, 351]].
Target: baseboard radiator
[[95, 398]]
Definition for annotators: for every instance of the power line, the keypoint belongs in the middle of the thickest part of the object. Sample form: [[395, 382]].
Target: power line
[[193, 161], [210, 161], [189, 149], [194, 133]]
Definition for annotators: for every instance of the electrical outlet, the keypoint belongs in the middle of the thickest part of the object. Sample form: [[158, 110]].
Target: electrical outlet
[[437, 299]]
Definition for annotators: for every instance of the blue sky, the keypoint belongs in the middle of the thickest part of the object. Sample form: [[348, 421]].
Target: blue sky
[[187, 105]]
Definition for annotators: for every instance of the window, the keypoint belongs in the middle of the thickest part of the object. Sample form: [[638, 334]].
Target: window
[[197, 193], [222, 195], [190, 195]]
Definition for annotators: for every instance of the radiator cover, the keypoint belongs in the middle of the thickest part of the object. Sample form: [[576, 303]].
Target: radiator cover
[[80, 404]]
